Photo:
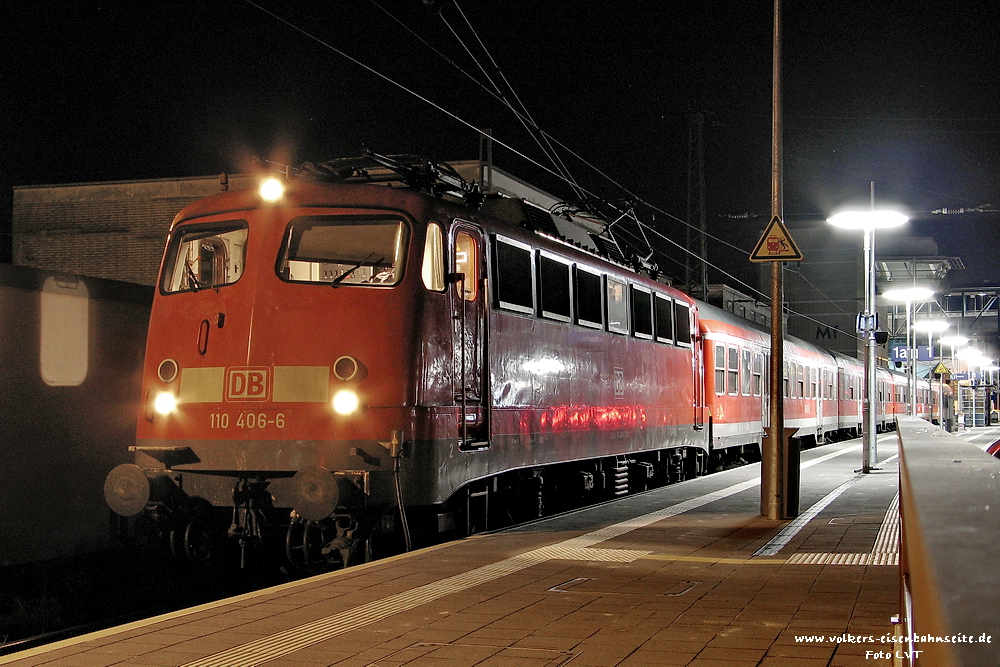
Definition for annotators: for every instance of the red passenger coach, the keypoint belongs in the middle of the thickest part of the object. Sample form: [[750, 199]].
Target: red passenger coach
[[821, 390], [737, 391], [850, 393], [336, 367]]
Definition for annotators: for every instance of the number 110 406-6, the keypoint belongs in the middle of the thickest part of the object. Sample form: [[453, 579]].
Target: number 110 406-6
[[246, 420]]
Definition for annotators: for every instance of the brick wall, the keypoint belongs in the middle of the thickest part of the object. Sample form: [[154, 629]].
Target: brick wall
[[107, 230]]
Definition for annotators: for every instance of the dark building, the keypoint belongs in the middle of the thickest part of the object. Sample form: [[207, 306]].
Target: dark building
[[111, 230]]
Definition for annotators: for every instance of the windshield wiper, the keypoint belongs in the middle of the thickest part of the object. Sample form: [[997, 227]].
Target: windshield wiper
[[195, 283], [347, 274]]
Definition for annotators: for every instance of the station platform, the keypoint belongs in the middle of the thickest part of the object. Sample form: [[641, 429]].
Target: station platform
[[689, 574]]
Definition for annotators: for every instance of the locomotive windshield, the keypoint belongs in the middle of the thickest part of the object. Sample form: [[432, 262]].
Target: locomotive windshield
[[343, 250], [205, 256]]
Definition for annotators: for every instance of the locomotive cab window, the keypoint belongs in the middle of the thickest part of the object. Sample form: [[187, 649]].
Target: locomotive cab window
[[204, 256], [341, 250]]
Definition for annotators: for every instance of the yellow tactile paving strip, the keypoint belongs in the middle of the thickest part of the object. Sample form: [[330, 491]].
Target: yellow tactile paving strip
[[668, 578]]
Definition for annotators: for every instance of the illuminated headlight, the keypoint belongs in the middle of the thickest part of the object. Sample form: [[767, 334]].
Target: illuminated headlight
[[272, 189], [346, 402], [165, 403]]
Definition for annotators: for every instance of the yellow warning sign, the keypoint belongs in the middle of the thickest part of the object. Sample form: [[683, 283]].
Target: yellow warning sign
[[941, 369], [776, 245]]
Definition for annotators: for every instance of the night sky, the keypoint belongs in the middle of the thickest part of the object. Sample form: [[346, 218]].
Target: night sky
[[904, 94]]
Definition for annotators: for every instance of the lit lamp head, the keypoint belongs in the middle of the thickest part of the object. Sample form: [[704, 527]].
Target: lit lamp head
[[954, 341], [271, 189], [867, 219], [931, 326], [973, 356], [908, 294]]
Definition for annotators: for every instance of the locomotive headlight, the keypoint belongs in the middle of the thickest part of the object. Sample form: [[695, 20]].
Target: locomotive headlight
[[165, 403], [346, 402], [271, 189]]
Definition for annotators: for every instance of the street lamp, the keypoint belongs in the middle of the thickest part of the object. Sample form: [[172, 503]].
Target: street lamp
[[868, 221], [910, 295], [953, 342]]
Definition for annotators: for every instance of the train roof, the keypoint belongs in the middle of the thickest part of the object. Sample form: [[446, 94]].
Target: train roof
[[516, 217], [709, 314]]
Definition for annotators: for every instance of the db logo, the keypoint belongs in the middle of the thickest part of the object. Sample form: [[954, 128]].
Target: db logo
[[247, 384]]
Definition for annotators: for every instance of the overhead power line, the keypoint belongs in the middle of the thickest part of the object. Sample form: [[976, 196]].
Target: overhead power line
[[628, 212]]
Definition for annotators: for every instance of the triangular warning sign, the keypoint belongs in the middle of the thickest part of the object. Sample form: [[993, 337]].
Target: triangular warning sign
[[776, 245], [941, 369]]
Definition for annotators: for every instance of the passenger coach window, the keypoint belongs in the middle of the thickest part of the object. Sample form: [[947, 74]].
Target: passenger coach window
[[758, 373], [617, 306], [745, 372], [589, 304], [642, 312], [663, 312], [515, 283], [553, 275], [734, 370], [720, 369], [204, 256], [343, 250], [64, 330]]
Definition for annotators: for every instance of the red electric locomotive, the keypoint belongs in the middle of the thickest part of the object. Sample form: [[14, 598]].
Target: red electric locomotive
[[340, 367], [323, 355]]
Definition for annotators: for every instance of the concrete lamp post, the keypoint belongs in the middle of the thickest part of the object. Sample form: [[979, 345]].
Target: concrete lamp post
[[868, 222]]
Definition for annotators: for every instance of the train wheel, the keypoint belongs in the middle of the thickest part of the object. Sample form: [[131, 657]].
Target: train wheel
[[175, 540], [314, 538], [294, 544], [199, 543]]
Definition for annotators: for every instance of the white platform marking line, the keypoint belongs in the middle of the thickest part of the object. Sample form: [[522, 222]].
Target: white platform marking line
[[778, 542], [277, 645]]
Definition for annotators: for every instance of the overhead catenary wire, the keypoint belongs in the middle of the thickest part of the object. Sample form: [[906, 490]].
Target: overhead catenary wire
[[526, 119], [393, 82], [581, 190], [494, 90], [495, 93]]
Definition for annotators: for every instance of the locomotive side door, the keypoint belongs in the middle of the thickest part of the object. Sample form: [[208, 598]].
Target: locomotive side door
[[469, 330]]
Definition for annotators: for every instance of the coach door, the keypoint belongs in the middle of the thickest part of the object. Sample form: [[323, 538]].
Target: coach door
[[469, 339]]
